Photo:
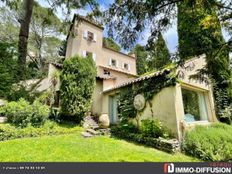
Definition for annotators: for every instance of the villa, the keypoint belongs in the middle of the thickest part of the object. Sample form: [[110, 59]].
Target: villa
[[188, 103]]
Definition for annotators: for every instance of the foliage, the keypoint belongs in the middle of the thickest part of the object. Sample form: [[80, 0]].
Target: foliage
[[209, 143], [151, 133], [110, 43], [159, 55], [45, 26], [77, 85], [156, 16], [141, 59], [9, 25], [8, 132], [8, 68], [18, 91], [205, 36], [148, 88], [22, 114], [199, 30], [226, 115], [153, 128]]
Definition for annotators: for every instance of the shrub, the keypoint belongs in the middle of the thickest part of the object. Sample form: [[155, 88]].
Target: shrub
[[211, 143], [40, 114], [22, 114], [8, 132], [153, 128], [124, 129], [77, 84], [131, 133]]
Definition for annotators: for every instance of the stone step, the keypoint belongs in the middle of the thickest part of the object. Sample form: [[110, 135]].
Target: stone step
[[86, 134], [93, 132]]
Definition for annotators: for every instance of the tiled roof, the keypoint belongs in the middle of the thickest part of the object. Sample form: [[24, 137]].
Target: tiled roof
[[88, 20], [114, 69], [144, 77]]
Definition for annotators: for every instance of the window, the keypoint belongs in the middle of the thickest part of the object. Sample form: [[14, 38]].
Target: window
[[90, 36], [106, 72], [126, 66], [89, 54], [113, 62], [194, 106]]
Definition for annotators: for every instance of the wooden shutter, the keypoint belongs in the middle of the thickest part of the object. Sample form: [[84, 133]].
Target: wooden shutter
[[95, 37], [85, 35]]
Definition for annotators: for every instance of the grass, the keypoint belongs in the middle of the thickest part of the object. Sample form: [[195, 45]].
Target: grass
[[75, 148]]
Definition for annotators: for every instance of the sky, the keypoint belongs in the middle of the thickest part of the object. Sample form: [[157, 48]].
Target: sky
[[170, 36]]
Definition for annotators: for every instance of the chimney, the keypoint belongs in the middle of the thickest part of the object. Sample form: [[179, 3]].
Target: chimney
[[132, 55]]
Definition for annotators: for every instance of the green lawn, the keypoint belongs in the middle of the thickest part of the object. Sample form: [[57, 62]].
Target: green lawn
[[73, 147]]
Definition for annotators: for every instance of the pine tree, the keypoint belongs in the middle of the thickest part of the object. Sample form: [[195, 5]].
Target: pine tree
[[141, 59], [159, 54]]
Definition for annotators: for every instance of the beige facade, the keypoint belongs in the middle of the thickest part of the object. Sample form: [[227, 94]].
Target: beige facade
[[113, 67], [87, 38], [168, 105]]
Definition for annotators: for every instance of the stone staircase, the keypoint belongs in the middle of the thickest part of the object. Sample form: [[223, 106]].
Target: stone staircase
[[92, 128]]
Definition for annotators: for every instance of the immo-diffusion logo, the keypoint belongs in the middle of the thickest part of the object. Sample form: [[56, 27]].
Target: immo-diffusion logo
[[219, 168], [169, 168]]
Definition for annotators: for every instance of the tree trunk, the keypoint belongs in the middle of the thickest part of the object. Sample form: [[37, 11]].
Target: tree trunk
[[23, 36]]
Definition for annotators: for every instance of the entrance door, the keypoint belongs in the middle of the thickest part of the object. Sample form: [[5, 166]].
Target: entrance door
[[113, 109]]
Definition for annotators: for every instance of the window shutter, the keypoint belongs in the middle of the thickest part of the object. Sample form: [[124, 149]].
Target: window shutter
[[129, 67], [95, 37], [85, 34], [94, 56], [84, 53], [117, 63], [122, 65], [110, 62]]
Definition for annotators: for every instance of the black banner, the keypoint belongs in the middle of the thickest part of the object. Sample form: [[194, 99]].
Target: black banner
[[115, 168]]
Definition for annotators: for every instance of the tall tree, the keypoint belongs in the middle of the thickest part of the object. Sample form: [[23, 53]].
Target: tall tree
[[45, 27], [204, 35], [24, 20], [130, 18], [141, 59], [159, 54]]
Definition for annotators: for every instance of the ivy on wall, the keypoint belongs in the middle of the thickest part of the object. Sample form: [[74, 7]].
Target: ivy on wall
[[148, 88]]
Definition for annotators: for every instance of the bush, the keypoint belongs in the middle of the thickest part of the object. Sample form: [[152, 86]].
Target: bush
[[40, 114], [152, 128], [8, 67], [8, 132], [124, 129], [131, 133], [77, 85], [22, 113], [211, 143]]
